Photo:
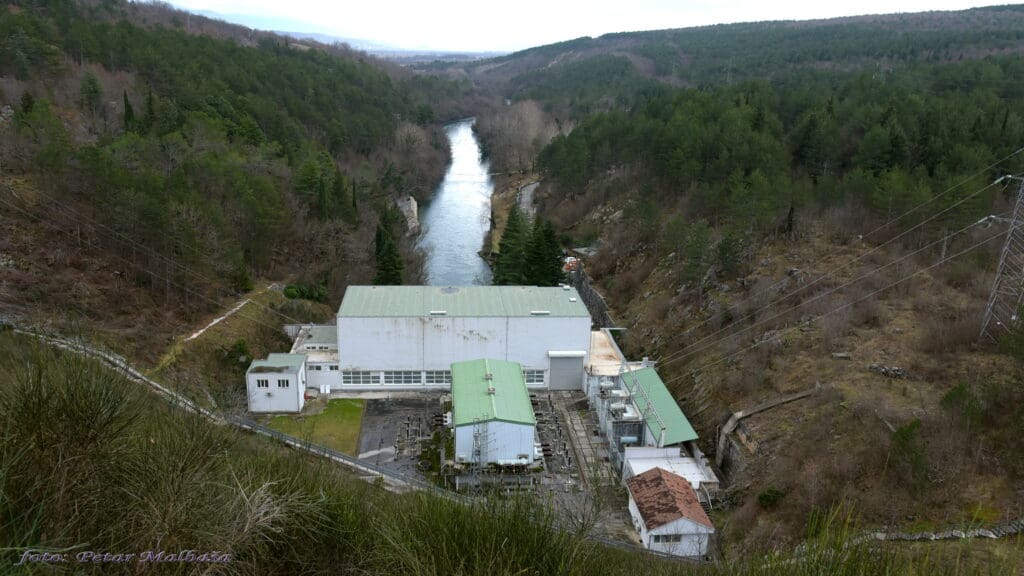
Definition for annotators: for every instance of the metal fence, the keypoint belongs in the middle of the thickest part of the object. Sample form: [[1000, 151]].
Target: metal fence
[[592, 298], [397, 479]]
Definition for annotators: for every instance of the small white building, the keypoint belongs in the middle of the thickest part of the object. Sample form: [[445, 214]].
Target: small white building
[[667, 514], [277, 384], [492, 414], [694, 469]]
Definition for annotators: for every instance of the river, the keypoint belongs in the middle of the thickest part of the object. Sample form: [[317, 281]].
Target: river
[[458, 217]]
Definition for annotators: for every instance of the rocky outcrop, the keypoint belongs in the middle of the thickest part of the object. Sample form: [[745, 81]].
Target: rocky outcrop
[[410, 209]]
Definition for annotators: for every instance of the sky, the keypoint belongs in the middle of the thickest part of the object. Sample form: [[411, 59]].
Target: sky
[[490, 26]]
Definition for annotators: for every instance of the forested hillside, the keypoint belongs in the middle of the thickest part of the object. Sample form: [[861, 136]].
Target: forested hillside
[[580, 76], [192, 164], [803, 205]]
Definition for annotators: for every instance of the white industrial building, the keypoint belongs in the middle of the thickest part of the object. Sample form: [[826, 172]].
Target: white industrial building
[[491, 413], [667, 514], [277, 384], [407, 337]]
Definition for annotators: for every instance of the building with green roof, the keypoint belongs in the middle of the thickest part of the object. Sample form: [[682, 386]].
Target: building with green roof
[[277, 383], [407, 337], [666, 423], [491, 413]]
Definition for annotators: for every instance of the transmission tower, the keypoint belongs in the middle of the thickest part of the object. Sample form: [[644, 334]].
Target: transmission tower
[[1004, 304]]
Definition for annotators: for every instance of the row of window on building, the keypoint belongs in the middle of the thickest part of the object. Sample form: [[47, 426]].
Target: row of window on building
[[413, 377], [666, 538], [264, 383]]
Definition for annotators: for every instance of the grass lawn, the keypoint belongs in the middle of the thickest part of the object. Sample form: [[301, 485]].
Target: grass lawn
[[336, 427]]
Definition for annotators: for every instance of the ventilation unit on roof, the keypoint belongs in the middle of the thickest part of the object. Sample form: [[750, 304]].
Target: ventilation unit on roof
[[565, 286], [572, 299], [540, 312], [488, 376], [438, 312]]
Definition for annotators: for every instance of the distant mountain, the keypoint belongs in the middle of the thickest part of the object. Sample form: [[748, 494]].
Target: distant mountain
[[294, 29], [722, 54]]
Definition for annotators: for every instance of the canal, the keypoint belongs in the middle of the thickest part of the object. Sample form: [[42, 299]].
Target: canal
[[457, 218]]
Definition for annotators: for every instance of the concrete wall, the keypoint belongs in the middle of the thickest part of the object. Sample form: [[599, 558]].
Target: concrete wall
[[380, 344], [505, 441], [531, 338], [435, 343], [447, 340], [274, 399], [317, 378]]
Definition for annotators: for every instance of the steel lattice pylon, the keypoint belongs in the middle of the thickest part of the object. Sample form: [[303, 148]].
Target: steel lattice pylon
[[1004, 304]]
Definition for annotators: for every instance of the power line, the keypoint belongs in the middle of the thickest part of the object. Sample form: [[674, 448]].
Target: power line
[[170, 261], [865, 236], [844, 306], [140, 267], [689, 351], [836, 288]]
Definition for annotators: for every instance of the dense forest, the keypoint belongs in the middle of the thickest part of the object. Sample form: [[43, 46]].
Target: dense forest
[[710, 172], [757, 225], [578, 77], [742, 158], [233, 158]]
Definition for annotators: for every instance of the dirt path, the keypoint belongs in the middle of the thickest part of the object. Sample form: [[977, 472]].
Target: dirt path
[[526, 205]]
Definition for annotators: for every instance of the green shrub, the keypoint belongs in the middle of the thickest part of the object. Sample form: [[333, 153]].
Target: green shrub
[[770, 498], [908, 453], [314, 292]]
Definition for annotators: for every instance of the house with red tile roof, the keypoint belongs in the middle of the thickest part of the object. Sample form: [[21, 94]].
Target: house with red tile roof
[[668, 515]]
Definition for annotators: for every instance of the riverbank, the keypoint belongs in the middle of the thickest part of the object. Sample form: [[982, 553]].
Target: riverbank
[[456, 220], [506, 193]]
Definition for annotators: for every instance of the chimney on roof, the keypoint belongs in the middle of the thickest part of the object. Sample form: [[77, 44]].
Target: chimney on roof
[[644, 362]]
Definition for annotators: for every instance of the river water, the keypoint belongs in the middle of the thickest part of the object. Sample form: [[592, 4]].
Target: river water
[[457, 218]]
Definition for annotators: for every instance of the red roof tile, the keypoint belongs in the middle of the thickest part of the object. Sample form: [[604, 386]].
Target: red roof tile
[[663, 497]]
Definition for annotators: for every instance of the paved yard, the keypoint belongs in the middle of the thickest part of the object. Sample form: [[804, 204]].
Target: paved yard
[[336, 426]]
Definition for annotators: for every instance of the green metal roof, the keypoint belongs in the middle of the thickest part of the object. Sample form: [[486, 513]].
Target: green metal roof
[[464, 301], [471, 401], [323, 335], [277, 362], [662, 405]]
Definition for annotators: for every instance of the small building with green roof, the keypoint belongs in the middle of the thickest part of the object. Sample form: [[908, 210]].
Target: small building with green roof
[[666, 425], [491, 413]]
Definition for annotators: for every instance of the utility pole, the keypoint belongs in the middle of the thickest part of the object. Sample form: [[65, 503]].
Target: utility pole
[[1004, 304]]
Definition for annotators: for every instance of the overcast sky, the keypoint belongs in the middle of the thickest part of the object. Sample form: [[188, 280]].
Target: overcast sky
[[475, 25]]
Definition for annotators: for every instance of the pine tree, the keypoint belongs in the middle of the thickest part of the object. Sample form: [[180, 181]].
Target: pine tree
[[129, 113], [27, 103], [90, 94], [544, 258], [378, 241], [510, 267], [149, 115], [729, 255], [389, 262], [697, 252], [338, 189]]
